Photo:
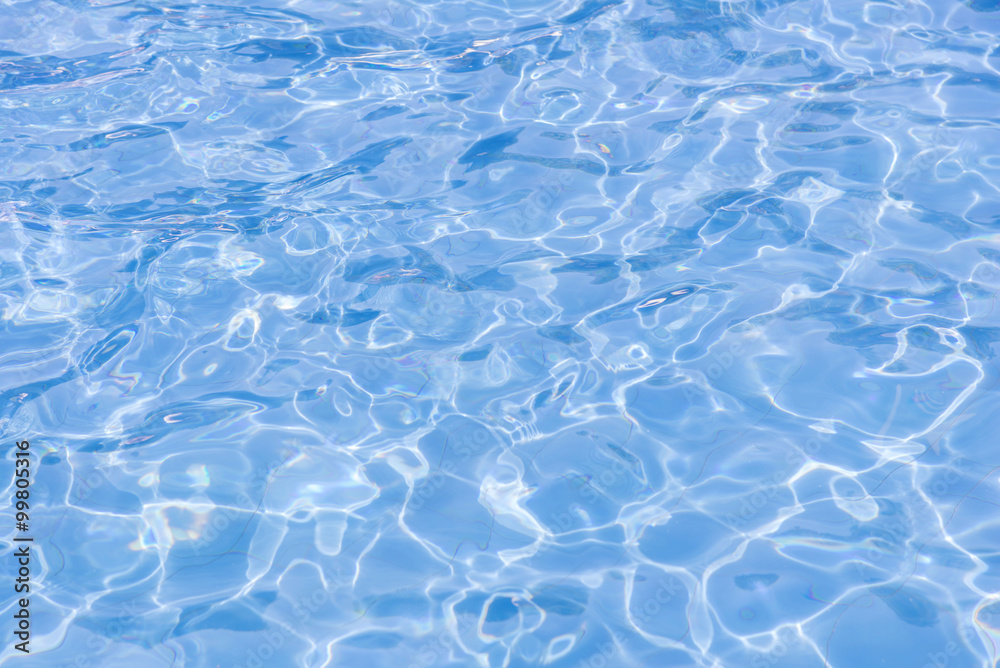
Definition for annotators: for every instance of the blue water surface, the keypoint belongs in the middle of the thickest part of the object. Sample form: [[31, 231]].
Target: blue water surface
[[503, 334]]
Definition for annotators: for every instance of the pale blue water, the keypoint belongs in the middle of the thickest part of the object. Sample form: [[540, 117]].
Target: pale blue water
[[503, 334]]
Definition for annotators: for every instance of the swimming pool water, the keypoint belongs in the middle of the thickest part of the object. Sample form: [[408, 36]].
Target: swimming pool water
[[503, 334]]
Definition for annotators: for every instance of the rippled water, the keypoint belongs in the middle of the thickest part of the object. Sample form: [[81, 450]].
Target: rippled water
[[504, 334]]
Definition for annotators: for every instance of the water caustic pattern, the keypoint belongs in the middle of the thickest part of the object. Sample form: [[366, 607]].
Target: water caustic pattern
[[571, 334]]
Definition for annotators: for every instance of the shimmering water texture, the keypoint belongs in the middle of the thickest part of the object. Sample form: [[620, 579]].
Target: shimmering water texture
[[508, 333]]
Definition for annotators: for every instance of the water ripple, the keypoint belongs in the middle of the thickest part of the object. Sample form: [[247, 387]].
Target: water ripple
[[582, 333]]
